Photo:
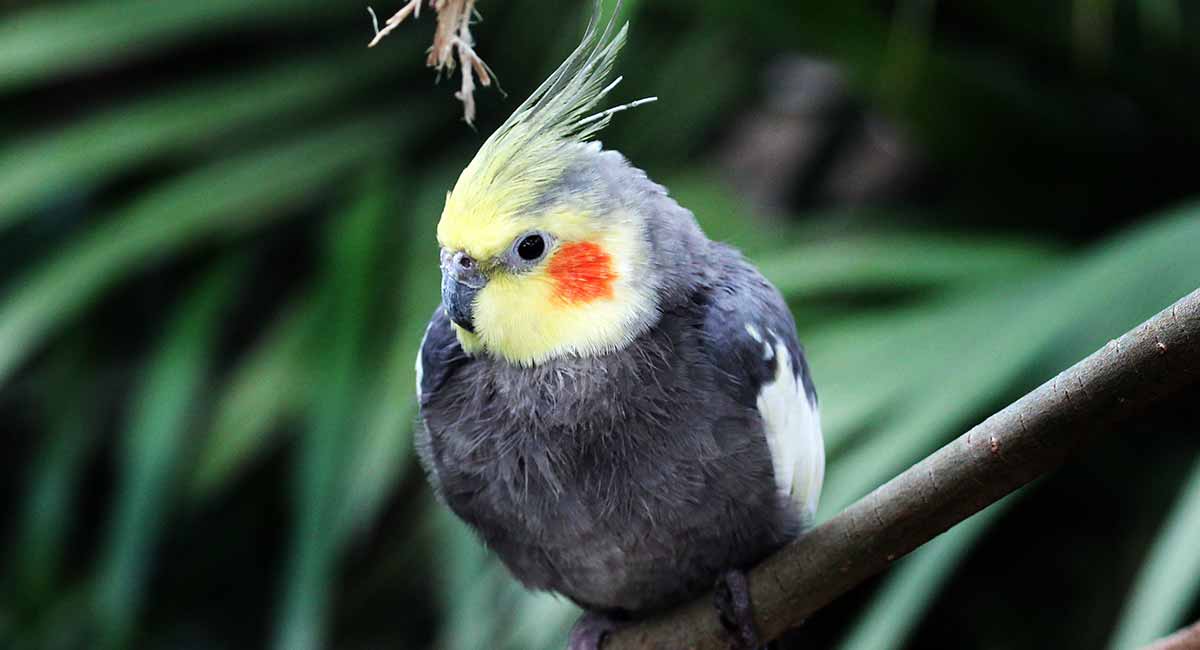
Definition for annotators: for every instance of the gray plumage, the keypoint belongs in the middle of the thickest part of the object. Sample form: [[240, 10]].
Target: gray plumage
[[631, 480]]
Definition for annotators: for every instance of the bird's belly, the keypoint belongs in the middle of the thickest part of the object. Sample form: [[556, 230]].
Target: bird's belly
[[623, 492], [617, 537]]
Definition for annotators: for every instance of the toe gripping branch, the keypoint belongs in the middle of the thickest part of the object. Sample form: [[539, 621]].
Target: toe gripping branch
[[589, 631], [736, 612]]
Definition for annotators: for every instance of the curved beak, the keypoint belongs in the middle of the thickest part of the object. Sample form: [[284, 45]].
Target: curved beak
[[461, 282], [459, 301]]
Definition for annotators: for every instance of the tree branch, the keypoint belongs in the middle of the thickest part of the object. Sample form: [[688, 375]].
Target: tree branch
[[1027, 439], [1186, 639]]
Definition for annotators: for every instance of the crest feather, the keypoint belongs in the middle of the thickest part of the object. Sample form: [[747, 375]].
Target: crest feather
[[560, 106], [533, 146]]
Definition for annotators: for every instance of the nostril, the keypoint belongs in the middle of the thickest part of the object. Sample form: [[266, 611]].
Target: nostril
[[464, 261]]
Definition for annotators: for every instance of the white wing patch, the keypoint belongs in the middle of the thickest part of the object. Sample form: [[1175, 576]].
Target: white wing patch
[[420, 365], [793, 428], [420, 372]]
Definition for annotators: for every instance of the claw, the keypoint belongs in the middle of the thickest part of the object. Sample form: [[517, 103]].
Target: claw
[[589, 631], [732, 599]]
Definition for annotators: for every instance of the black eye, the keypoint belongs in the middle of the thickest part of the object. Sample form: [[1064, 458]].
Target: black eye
[[531, 247]]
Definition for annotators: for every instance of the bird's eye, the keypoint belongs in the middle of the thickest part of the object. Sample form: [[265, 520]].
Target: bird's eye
[[531, 247]]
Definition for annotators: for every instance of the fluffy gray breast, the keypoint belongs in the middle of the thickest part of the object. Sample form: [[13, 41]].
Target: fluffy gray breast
[[660, 398]]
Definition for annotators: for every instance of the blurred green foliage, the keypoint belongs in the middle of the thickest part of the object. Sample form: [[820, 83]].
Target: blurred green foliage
[[216, 229]]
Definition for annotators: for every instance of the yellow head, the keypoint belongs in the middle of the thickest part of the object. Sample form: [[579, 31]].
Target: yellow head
[[539, 257]]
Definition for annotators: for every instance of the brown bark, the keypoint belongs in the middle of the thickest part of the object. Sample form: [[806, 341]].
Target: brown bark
[[1186, 639], [1029, 438]]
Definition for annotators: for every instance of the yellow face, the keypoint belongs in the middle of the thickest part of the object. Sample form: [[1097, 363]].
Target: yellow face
[[557, 284]]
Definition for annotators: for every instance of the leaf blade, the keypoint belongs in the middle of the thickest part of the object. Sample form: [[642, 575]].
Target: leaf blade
[[213, 201], [151, 452], [1169, 581]]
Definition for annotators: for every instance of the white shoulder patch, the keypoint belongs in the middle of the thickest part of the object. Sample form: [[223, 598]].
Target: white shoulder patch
[[793, 429], [420, 365], [768, 351]]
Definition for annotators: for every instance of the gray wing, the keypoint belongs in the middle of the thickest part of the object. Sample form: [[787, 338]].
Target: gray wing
[[753, 342], [439, 357]]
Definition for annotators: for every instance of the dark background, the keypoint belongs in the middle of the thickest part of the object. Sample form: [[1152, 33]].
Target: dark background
[[217, 254]]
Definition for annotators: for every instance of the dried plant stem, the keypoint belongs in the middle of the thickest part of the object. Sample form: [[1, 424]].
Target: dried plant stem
[[413, 8], [452, 37]]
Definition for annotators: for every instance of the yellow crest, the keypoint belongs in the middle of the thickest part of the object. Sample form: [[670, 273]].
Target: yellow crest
[[532, 148]]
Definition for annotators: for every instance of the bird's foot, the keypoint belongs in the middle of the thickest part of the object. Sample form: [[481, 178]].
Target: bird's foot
[[732, 598], [589, 631]]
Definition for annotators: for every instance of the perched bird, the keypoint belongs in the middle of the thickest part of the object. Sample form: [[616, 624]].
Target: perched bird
[[616, 404]]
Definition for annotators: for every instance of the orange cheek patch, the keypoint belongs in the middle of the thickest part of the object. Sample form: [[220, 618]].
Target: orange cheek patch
[[582, 272]]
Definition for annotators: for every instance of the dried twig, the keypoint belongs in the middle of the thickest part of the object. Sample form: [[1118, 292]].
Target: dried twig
[[1027, 439], [413, 8], [452, 37]]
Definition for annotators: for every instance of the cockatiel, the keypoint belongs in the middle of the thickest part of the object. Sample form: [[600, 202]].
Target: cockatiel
[[616, 404]]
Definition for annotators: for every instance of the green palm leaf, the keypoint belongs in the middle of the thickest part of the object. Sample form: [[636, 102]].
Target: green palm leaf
[[36, 167], [383, 451], [51, 40], [1169, 583], [270, 384], [351, 246], [910, 590], [152, 452], [999, 334], [210, 202]]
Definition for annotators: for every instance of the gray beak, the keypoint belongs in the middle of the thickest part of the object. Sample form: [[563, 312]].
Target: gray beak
[[461, 281]]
